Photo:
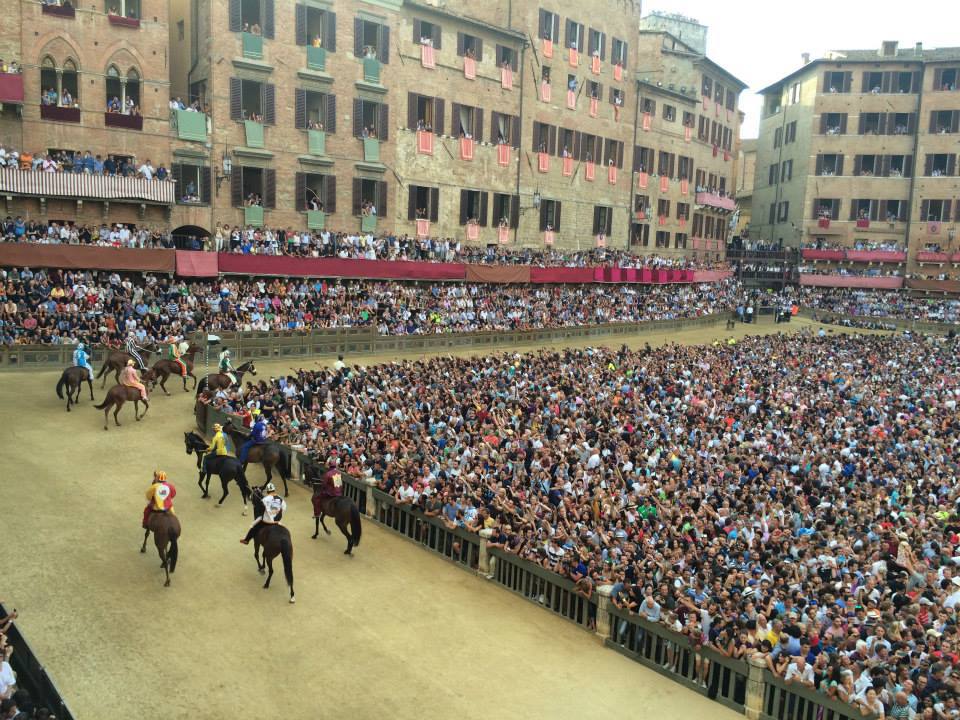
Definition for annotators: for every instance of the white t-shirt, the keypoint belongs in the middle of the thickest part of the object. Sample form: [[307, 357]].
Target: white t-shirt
[[7, 677], [795, 673], [273, 505]]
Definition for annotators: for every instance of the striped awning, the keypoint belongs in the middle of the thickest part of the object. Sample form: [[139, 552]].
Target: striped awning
[[85, 187]]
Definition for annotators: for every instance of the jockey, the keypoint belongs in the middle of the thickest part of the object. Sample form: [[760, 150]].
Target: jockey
[[130, 345], [226, 366], [330, 486], [82, 359], [130, 378], [273, 507], [258, 434], [159, 497], [174, 354], [217, 446]]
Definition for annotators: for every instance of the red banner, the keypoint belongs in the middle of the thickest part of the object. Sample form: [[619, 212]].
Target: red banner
[[642, 180], [590, 171], [567, 166], [687, 134], [473, 231], [664, 183], [684, 186], [466, 148], [612, 174], [574, 57], [571, 99], [545, 92], [618, 72], [506, 78], [83, 257], [646, 121], [706, 102], [851, 281], [196, 264], [823, 223], [683, 222], [560, 274], [594, 106], [427, 59], [595, 64], [498, 273], [504, 155], [547, 48], [469, 68], [543, 162], [503, 235], [423, 228], [548, 237], [424, 142], [283, 266]]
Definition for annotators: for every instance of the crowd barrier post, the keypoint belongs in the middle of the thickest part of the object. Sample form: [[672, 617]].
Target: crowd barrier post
[[753, 704], [604, 604], [483, 565]]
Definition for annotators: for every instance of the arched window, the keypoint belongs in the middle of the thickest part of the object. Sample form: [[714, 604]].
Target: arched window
[[49, 82], [123, 8], [123, 92], [59, 85], [133, 90], [69, 85]]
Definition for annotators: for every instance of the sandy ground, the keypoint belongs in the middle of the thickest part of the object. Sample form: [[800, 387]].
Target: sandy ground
[[394, 632]]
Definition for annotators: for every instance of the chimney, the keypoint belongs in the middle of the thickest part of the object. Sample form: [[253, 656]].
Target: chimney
[[806, 58], [888, 48], [918, 49]]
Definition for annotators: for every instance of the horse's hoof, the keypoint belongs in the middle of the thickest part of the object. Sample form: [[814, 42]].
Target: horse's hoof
[[292, 600], [263, 572], [204, 497], [326, 531], [244, 513], [143, 549], [167, 584], [218, 506], [266, 586], [347, 552]]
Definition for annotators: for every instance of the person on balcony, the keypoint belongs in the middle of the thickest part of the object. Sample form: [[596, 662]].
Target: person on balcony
[[146, 170], [66, 99], [317, 41], [113, 105]]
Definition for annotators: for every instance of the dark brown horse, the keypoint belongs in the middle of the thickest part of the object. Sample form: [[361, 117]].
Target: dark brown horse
[[269, 455], [72, 380], [275, 540], [226, 466], [116, 397], [342, 509], [165, 367], [165, 527], [220, 381], [117, 361]]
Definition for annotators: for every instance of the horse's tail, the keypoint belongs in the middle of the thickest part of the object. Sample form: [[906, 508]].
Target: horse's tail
[[104, 404], [286, 552], [173, 552], [284, 462], [60, 384], [103, 368], [355, 524]]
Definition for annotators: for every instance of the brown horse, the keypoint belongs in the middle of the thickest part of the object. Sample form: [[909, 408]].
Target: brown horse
[[220, 381], [117, 361], [117, 396], [72, 380], [269, 455], [166, 530], [165, 367], [342, 509], [275, 540]]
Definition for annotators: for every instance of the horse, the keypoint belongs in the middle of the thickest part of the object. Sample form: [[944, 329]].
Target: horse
[[117, 361], [166, 530], [72, 379], [220, 381], [269, 455], [342, 509], [117, 396], [275, 540], [228, 468], [165, 367]]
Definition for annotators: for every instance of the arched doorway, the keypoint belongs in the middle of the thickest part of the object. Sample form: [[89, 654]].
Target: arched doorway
[[190, 237]]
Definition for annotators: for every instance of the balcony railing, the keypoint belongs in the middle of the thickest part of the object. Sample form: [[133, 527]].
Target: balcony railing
[[839, 254], [252, 46], [59, 11], [123, 21], [59, 114], [881, 282], [11, 88], [119, 120], [927, 256], [316, 58], [85, 187], [189, 125], [717, 201], [253, 215]]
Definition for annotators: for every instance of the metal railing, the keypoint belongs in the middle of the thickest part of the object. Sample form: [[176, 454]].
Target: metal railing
[[782, 701]]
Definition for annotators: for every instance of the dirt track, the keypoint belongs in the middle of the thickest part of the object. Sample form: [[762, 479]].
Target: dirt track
[[394, 632]]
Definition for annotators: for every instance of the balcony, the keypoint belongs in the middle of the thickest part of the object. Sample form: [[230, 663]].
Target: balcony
[[126, 122], [937, 258], [371, 150], [59, 114], [316, 219], [11, 88], [368, 223], [253, 215], [253, 134], [189, 125], [85, 187], [881, 256], [852, 281], [316, 58], [121, 21], [317, 140], [938, 286], [58, 11], [371, 70], [252, 46], [716, 201], [815, 254]]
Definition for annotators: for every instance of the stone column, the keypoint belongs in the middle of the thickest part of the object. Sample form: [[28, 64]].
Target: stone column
[[753, 706], [604, 603], [483, 566], [371, 502]]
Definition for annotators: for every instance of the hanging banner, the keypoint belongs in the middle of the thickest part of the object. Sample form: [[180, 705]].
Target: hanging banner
[[664, 183], [591, 170], [466, 148], [646, 121], [548, 237], [595, 64], [543, 162], [571, 100], [470, 68], [473, 231], [424, 142], [506, 78], [612, 174], [503, 235], [618, 72], [504, 155], [688, 134], [567, 166], [427, 58], [423, 228], [684, 186], [601, 240], [545, 93], [574, 57], [594, 106], [547, 48], [642, 180]]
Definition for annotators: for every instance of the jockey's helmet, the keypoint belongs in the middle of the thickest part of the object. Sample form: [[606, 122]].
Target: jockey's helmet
[[270, 488], [226, 353], [159, 476], [131, 362], [217, 427]]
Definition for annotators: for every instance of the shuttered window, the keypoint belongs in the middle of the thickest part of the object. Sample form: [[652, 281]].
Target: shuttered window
[[314, 26], [369, 34]]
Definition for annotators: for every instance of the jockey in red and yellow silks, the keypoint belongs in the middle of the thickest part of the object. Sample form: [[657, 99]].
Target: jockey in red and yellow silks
[[159, 497]]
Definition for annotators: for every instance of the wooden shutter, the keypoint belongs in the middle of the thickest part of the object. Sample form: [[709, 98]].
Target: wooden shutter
[[383, 52], [569, 35], [357, 184], [412, 111], [542, 24], [543, 215], [826, 83], [236, 109], [494, 125], [176, 174], [330, 31], [515, 130], [483, 209], [925, 211], [478, 124], [514, 211], [300, 22], [461, 50], [382, 198], [330, 194], [417, 34], [535, 146], [479, 45], [951, 167], [946, 210], [358, 41], [434, 204], [857, 164], [843, 124], [357, 118], [438, 110], [556, 216], [300, 108], [300, 191], [591, 45], [331, 124], [916, 82], [865, 83], [928, 165], [954, 121], [838, 170], [463, 206], [596, 219], [847, 81], [236, 19], [436, 36], [383, 121], [455, 119], [269, 109], [556, 35], [908, 166], [885, 166], [236, 187], [270, 188], [933, 122], [911, 123], [268, 19], [552, 141], [205, 190], [412, 196]]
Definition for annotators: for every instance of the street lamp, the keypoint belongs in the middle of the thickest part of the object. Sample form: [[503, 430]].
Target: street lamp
[[227, 168]]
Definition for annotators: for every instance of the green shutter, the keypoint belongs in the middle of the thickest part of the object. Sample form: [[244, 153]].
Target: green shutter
[[371, 70], [253, 215], [252, 46], [316, 219], [254, 134], [318, 142], [191, 125], [316, 58], [368, 223], [371, 150]]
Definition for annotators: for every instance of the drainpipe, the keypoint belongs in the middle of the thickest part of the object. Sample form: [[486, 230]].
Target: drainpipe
[[523, 64], [633, 164], [914, 169]]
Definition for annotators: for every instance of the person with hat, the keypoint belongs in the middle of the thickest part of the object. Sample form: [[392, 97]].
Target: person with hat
[[330, 486], [173, 353], [273, 508], [226, 366], [160, 496], [82, 359], [130, 378], [130, 345], [258, 434], [217, 447]]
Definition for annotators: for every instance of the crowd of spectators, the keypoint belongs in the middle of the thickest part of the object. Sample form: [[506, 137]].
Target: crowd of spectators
[[790, 497], [59, 307], [120, 235], [877, 304], [15, 702], [85, 163], [10, 68]]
